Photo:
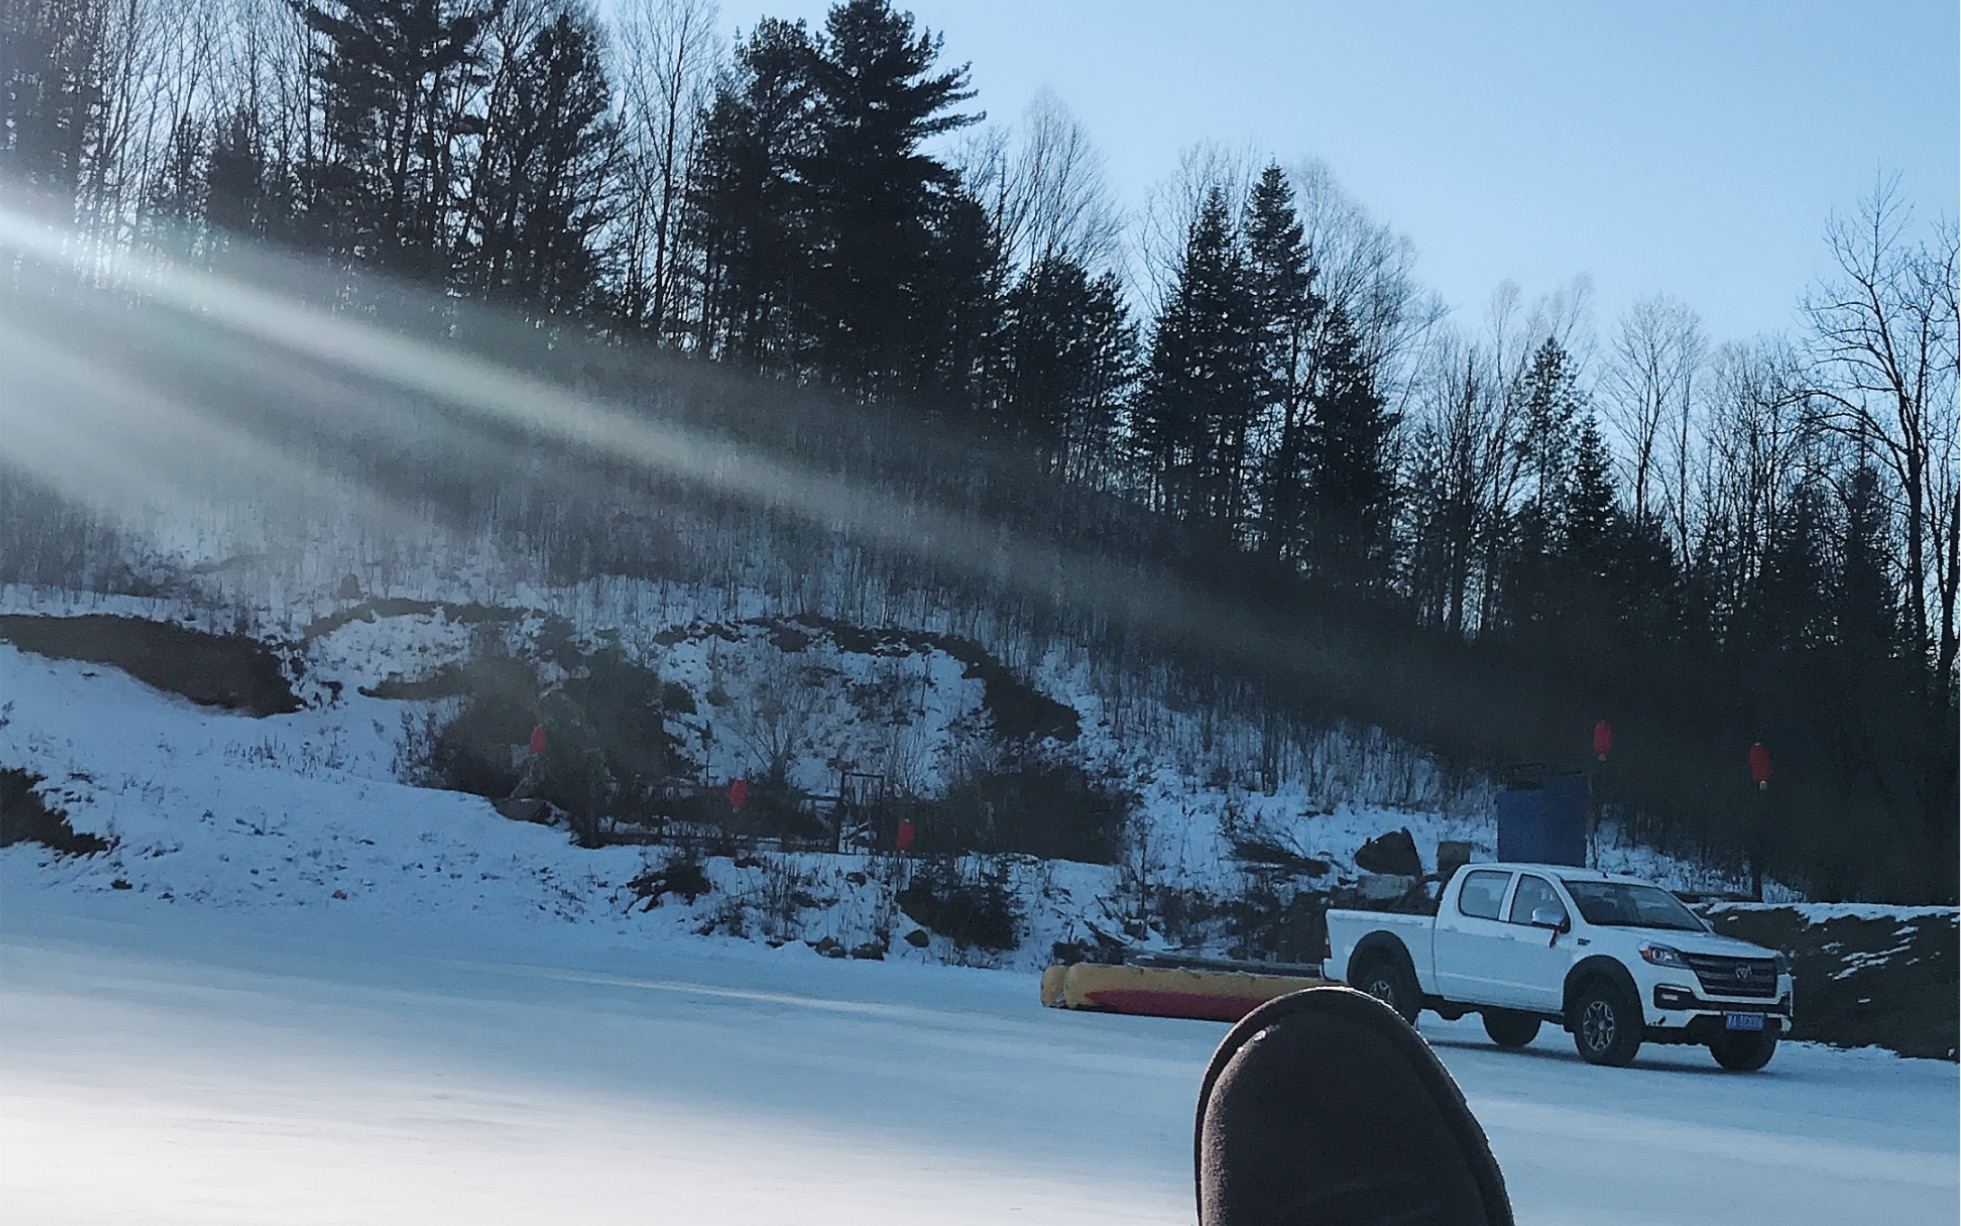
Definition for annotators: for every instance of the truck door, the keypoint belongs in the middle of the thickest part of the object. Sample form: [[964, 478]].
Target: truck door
[[1469, 937], [1531, 962]]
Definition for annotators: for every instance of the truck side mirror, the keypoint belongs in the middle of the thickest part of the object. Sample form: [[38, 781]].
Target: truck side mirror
[[1551, 917]]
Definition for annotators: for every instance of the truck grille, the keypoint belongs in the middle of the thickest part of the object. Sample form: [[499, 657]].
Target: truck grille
[[1723, 976]]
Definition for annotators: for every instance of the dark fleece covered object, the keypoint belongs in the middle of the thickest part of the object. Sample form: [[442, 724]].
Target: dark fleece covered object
[[1324, 1107]]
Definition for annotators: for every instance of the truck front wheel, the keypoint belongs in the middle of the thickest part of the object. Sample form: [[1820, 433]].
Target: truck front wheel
[[1744, 1051], [1606, 1025], [1386, 979]]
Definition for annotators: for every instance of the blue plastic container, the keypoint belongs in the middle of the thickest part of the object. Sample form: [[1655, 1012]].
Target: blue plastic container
[[1545, 824]]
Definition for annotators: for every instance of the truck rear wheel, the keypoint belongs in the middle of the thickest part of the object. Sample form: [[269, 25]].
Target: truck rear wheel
[[1508, 1028], [1606, 1025], [1744, 1051], [1390, 982]]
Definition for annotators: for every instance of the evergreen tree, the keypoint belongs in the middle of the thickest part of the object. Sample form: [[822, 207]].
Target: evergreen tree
[[1289, 311], [1350, 466], [876, 197], [542, 184], [388, 74], [1067, 349], [1889, 751], [956, 312], [1204, 379], [1550, 399], [1427, 552], [1526, 567], [748, 203], [1648, 583], [51, 72], [1606, 572], [1590, 515], [1864, 605], [237, 193], [1790, 606]]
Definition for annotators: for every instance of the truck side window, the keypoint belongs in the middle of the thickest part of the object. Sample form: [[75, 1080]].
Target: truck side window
[[1483, 894], [1533, 893]]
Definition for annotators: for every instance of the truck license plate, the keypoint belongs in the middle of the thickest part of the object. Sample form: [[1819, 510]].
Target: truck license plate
[[1743, 1021]]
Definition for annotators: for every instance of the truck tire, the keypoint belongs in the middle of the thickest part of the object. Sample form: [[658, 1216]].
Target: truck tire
[[1744, 1051], [1509, 1028], [1389, 981], [1607, 1026]]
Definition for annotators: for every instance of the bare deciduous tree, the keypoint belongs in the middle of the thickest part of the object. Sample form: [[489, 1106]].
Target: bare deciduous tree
[[1368, 270], [1752, 449], [1658, 350], [668, 54], [1457, 450], [1884, 325], [1046, 187]]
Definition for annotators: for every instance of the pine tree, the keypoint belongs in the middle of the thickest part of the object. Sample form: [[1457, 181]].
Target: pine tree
[[1864, 606], [1289, 311], [1590, 518], [237, 195], [1790, 601], [956, 312], [1551, 400], [542, 184], [1890, 752], [1427, 535], [748, 204], [1603, 572], [1648, 585], [1204, 379], [873, 192], [51, 71], [1526, 567], [1350, 467], [1067, 349], [380, 184]]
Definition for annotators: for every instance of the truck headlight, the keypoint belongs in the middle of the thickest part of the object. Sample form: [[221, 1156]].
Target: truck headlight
[[1780, 965], [1664, 955]]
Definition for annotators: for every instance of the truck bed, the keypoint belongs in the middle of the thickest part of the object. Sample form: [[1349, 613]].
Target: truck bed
[[1347, 927]]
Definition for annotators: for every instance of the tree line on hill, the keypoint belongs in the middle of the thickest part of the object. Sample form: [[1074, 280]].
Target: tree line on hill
[[1712, 544]]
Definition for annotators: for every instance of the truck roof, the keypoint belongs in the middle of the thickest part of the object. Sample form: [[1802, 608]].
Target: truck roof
[[1569, 871]]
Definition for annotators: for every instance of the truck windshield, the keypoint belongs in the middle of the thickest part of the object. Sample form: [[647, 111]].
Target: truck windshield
[[1616, 904]]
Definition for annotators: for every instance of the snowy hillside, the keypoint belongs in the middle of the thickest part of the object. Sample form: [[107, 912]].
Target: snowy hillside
[[317, 807]]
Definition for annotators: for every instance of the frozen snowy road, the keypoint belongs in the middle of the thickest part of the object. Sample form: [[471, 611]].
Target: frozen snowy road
[[171, 1065]]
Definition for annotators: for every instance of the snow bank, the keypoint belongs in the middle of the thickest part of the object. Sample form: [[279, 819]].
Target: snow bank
[[1823, 912]]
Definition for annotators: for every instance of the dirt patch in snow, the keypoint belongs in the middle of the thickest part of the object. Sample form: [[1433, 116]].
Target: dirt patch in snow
[[402, 606], [1019, 710], [213, 670], [26, 818]]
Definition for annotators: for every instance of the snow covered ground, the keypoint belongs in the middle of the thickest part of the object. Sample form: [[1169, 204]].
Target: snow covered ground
[[164, 1063]]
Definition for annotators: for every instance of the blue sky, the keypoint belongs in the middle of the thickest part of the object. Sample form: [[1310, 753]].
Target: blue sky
[[1688, 148]]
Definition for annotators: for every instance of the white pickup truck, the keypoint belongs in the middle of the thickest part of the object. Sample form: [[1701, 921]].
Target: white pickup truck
[[1614, 960]]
